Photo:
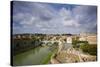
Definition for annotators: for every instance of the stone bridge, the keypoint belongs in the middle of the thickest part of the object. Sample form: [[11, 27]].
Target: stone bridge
[[60, 44]]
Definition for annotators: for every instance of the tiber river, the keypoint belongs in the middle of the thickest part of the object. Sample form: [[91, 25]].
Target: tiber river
[[32, 57], [39, 55]]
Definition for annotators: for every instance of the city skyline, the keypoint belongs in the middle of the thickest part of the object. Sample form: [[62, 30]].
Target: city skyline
[[53, 18]]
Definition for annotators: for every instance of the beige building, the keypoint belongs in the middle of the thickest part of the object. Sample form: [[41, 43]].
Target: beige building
[[82, 37], [69, 39], [91, 38]]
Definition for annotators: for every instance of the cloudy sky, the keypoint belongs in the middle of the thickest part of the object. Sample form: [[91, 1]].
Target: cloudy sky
[[30, 17]]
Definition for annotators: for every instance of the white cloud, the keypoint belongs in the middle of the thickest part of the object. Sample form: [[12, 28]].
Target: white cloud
[[44, 18], [65, 14], [86, 17], [67, 19], [71, 23], [38, 25]]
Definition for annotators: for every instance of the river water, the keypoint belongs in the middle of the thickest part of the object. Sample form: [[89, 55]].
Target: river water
[[31, 57]]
